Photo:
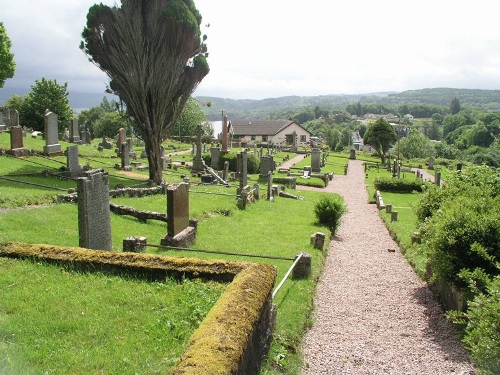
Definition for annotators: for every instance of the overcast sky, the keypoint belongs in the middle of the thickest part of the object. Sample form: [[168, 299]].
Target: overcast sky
[[270, 48]]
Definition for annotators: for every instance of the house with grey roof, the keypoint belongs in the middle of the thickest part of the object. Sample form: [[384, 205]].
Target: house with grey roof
[[277, 132]]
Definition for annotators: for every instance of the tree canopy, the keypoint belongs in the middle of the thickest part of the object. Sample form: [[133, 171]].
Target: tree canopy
[[381, 136], [7, 63], [46, 94], [155, 57]]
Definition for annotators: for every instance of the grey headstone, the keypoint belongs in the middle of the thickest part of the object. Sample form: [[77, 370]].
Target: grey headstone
[[14, 117], [74, 136], [94, 221], [73, 166], [215, 156], [52, 145], [316, 160]]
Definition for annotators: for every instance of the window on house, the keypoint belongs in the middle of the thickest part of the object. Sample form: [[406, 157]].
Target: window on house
[[303, 138], [264, 138], [252, 137]]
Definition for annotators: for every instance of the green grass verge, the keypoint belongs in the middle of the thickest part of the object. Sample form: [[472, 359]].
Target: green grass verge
[[54, 319]]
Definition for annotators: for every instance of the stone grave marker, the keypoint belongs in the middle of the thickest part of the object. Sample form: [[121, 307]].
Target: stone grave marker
[[215, 156], [316, 161], [16, 142], [121, 138], [266, 165], [225, 134], [198, 164], [14, 117], [74, 136], [177, 209], [94, 223], [52, 145], [125, 157], [73, 168]]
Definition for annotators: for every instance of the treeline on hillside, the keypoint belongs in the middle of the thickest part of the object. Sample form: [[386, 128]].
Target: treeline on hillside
[[377, 103]]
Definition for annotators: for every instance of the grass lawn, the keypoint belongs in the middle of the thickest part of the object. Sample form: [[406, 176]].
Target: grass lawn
[[57, 320]]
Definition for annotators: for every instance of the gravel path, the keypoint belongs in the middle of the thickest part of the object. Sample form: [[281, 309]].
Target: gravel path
[[373, 315]]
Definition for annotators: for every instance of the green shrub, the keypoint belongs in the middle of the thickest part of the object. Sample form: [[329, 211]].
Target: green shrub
[[329, 210], [430, 201], [398, 185], [482, 330], [463, 240]]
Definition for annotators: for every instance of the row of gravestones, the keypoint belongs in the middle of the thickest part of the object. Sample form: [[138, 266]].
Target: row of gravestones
[[94, 222]]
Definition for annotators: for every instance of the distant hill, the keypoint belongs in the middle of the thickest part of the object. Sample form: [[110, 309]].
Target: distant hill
[[287, 106]]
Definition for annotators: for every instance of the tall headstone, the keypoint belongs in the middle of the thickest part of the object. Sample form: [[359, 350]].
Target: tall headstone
[[198, 165], [5, 116], [177, 208], [225, 134], [241, 167], [73, 168], [352, 154], [125, 156], [94, 223], [74, 136], [121, 138], [431, 163], [215, 156], [52, 145], [316, 160], [294, 141], [14, 117]]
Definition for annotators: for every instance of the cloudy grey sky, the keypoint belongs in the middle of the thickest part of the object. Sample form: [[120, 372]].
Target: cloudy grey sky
[[261, 48]]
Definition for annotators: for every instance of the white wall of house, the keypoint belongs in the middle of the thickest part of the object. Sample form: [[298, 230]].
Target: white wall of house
[[303, 136]]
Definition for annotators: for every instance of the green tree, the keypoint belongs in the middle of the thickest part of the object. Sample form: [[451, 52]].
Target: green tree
[[155, 57], [190, 118], [7, 63], [416, 145], [455, 106], [15, 102], [381, 136], [108, 124], [46, 94]]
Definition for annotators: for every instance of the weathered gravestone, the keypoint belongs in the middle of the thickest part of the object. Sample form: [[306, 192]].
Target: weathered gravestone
[[267, 165], [94, 223], [14, 117], [74, 136], [106, 143], [180, 232], [198, 164], [431, 163], [215, 156], [125, 157], [316, 161], [16, 142], [352, 154], [225, 134], [73, 168], [121, 138], [52, 145], [241, 168]]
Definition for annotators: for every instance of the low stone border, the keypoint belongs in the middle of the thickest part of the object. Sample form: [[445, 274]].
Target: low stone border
[[235, 334]]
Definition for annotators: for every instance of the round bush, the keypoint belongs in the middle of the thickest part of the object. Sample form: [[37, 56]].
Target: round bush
[[329, 210]]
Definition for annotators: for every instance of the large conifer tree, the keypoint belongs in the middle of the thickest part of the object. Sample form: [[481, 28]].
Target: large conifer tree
[[155, 57]]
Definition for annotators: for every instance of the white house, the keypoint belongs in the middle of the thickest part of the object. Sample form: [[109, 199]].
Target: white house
[[278, 132]]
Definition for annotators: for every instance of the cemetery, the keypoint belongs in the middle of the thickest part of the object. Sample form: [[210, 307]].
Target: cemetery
[[218, 228], [77, 198]]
